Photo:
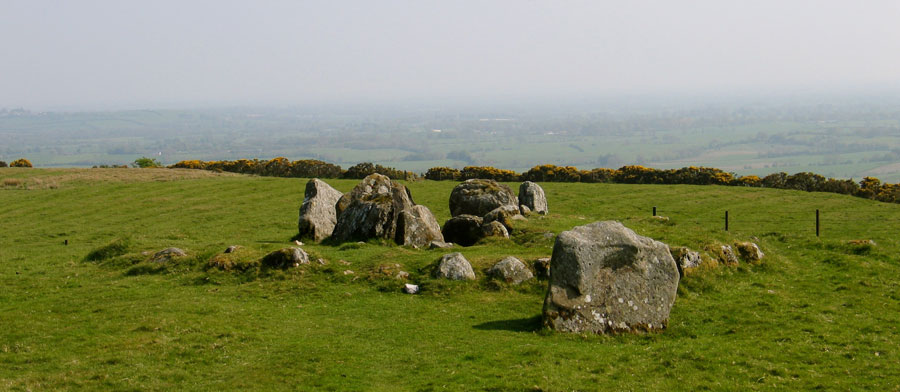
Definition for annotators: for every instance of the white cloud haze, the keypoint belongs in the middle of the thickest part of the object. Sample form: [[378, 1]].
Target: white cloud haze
[[129, 53]]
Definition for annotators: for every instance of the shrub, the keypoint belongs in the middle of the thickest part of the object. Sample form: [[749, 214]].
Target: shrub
[[194, 164], [553, 173], [3, 164], [597, 175], [115, 248], [21, 162], [751, 181], [443, 173], [144, 162], [488, 173], [314, 168]]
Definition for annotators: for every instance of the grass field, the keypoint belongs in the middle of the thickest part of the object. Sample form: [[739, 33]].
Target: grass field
[[817, 313]]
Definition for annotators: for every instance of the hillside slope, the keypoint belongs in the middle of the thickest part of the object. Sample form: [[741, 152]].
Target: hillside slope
[[817, 313]]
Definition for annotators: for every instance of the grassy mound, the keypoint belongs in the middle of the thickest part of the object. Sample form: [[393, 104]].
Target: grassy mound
[[816, 313]]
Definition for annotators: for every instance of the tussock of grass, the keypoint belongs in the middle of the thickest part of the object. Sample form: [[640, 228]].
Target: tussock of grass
[[117, 247]]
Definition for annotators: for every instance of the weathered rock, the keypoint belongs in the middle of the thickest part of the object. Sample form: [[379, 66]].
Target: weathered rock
[[402, 275], [463, 229], [167, 255], [494, 229], [542, 267], [532, 196], [410, 288], [478, 197], [454, 266], [503, 214], [724, 254], [524, 210], [372, 209], [685, 258], [510, 270], [749, 251], [440, 245], [416, 226], [604, 278], [232, 248], [317, 213], [285, 258]]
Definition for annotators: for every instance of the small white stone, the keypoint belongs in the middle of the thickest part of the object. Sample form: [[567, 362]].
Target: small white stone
[[587, 298], [621, 300]]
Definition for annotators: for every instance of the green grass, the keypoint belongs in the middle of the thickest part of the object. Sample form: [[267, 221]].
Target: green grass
[[817, 313]]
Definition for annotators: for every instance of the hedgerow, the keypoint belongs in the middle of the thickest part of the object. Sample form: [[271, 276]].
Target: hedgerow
[[869, 187]]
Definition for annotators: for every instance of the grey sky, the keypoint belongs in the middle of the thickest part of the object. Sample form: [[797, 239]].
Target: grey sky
[[94, 54]]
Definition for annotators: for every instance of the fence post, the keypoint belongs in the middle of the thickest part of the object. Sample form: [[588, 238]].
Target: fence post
[[654, 210], [726, 220], [817, 222]]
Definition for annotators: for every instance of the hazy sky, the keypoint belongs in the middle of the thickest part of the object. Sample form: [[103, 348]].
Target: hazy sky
[[96, 54]]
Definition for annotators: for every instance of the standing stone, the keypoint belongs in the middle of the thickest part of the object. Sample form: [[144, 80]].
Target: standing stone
[[510, 270], [317, 213], [454, 266], [479, 197], [416, 226], [464, 230], [372, 209], [532, 196], [604, 278]]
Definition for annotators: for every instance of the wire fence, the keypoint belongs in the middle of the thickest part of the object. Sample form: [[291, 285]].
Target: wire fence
[[822, 223]]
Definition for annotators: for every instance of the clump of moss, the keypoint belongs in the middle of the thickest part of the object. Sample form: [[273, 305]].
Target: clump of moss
[[118, 247], [235, 261]]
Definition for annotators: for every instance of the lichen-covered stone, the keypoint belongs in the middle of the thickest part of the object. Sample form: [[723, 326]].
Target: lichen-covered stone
[[510, 270], [724, 254], [317, 213], [531, 195], [454, 266], [417, 227], [464, 230], [503, 214], [749, 251], [542, 268], [494, 229], [285, 258], [167, 255], [604, 278], [371, 210], [479, 197], [685, 259]]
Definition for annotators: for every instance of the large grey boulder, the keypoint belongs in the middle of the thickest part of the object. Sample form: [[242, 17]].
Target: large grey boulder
[[371, 210], [417, 227], [464, 230], [604, 278], [531, 195], [317, 213], [454, 266], [510, 270], [479, 197]]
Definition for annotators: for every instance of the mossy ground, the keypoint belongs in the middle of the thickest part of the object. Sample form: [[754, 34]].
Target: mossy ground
[[816, 313]]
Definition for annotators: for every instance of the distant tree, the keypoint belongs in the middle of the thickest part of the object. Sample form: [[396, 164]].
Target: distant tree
[[3, 164], [22, 162], [144, 162]]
